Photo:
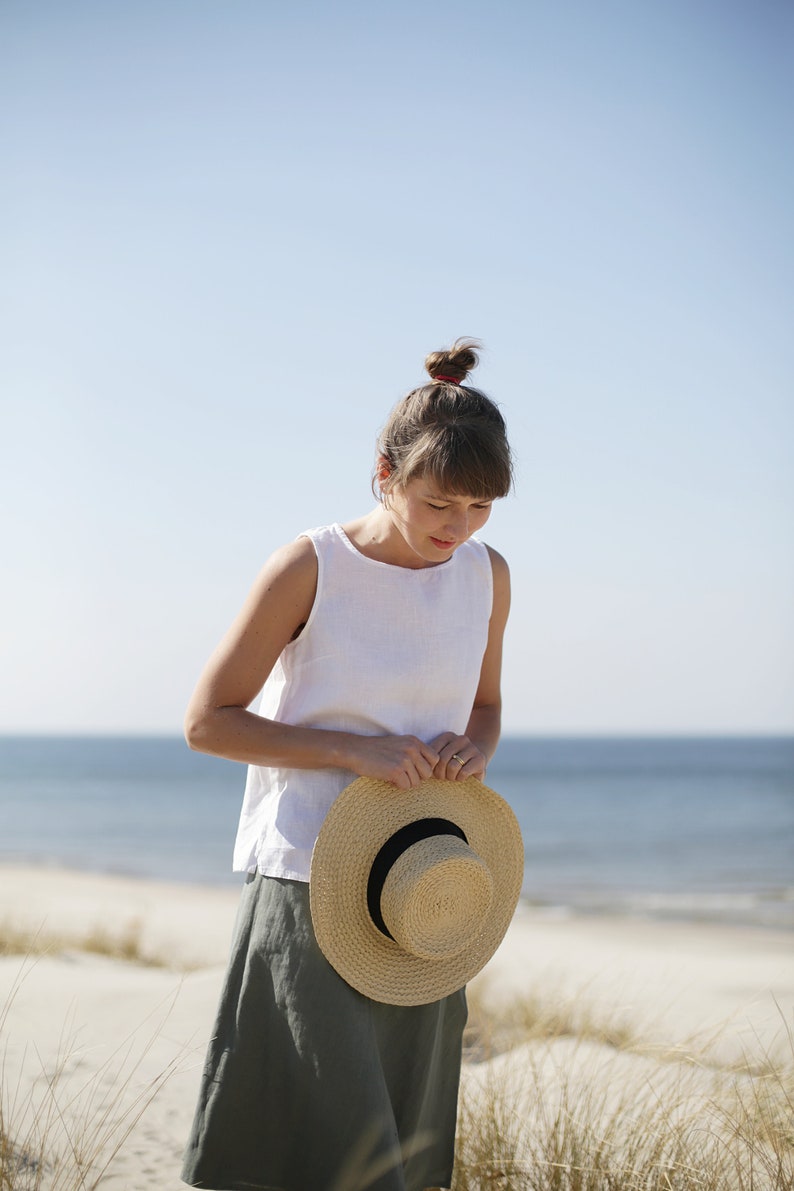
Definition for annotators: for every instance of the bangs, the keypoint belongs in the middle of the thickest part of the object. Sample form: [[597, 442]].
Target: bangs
[[462, 461]]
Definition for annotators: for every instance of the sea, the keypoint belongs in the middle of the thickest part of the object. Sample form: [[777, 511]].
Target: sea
[[697, 829]]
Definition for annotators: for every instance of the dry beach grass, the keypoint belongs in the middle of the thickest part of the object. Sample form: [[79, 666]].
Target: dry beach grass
[[64, 1121], [600, 1055], [571, 1103]]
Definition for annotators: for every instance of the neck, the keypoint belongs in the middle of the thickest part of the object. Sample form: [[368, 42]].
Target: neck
[[377, 536]]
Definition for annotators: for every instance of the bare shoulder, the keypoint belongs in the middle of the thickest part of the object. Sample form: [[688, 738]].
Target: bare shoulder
[[297, 557], [501, 587], [278, 605], [501, 571], [289, 576]]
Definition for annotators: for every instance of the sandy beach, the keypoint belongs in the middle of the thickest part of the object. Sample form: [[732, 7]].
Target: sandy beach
[[83, 1027]]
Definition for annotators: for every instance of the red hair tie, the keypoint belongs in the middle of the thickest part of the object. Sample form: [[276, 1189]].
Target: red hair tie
[[452, 380]]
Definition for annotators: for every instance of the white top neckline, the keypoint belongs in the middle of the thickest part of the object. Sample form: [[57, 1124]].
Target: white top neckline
[[393, 566]]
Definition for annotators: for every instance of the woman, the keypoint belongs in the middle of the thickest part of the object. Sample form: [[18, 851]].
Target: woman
[[379, 646]]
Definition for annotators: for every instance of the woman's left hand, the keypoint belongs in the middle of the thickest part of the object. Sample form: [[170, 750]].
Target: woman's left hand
[[458, 758]]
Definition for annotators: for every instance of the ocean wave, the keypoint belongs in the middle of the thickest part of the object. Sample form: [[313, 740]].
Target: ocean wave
[[771, 908]]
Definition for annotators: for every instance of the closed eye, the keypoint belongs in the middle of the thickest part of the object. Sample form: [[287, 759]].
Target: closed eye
[[440, 508]]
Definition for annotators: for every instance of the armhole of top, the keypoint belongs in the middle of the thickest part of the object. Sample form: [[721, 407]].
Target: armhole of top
[[491, 584], [307, 624]]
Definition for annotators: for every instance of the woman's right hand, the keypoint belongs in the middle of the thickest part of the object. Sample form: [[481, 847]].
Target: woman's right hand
[[403, 760]]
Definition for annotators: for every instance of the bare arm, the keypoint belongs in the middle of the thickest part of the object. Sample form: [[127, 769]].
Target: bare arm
[[217, 721], [478, 744]]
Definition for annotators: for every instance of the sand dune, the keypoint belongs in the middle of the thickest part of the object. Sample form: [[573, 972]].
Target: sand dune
[[129, 1031]]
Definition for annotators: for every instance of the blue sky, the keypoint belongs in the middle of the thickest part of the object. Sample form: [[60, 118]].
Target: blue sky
[[231, 232]]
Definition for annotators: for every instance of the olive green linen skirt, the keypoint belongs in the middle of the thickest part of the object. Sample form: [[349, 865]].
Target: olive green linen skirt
[[310, 1086]]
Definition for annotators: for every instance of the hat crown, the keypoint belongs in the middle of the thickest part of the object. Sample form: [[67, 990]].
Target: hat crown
[[436, 897]]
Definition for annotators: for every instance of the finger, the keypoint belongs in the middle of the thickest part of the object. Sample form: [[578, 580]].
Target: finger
[[450, 765], [426, 766], [440, 742], [473, 763], [458, 766], [415, 777], [430, 754], [474, 767]]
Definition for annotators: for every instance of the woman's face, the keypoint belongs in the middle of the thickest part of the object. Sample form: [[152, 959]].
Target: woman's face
[[433, 523]]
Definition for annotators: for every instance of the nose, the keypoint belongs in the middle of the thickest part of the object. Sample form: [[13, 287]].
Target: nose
[[457, 527]]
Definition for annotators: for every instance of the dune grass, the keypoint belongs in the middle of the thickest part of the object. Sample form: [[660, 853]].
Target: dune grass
[[124, 943], [63, 1130], [530, 1017], [554, 1099]]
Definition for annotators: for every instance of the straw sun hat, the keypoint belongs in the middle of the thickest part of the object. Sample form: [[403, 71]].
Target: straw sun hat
[[412, 891]]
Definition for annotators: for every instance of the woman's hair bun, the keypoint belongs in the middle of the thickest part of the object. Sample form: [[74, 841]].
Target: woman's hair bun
[[454, 363]]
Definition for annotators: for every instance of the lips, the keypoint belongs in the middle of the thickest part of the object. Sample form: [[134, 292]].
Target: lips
[[442, 545]]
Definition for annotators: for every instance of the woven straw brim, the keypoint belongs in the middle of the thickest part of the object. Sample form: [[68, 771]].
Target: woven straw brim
[[363, 817]]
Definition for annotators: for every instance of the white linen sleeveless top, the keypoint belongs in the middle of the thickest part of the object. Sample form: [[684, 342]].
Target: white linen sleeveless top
[[386, 650]]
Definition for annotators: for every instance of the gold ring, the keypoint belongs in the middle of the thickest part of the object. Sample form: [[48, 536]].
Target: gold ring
[[459, 760]]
